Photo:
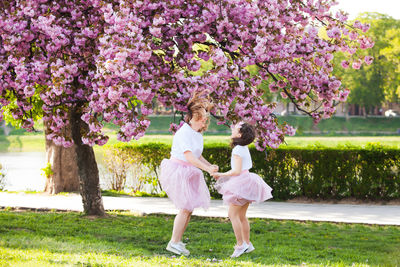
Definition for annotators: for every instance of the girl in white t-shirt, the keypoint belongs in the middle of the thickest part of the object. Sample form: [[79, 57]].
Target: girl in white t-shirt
[[181, 177], [239, 187]]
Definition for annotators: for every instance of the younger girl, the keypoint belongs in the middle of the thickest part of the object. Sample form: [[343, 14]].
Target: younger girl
[[239, 187], [181, 176]]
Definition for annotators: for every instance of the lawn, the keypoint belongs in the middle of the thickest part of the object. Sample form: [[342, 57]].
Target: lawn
[[372, 126], [304, 124], [36, 142], [122, 239]]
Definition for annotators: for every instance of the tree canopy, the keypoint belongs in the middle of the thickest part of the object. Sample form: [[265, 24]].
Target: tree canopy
[[107, 60], [373, 84]]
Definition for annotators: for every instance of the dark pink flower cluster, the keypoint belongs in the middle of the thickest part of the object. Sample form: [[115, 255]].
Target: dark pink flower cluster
[[175, 127], [111, 59]]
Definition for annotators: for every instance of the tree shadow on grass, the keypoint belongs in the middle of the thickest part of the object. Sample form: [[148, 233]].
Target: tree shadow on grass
[[209, 239]]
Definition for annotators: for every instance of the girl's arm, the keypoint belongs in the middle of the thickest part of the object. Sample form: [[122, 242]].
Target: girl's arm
[[197, 162], [233, 172], [202, 159], [214, 167]]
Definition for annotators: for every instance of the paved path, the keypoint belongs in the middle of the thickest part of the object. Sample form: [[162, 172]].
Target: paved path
[[367, 214]]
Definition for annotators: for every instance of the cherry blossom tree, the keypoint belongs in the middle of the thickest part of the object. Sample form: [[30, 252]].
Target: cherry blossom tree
[[85, 63]]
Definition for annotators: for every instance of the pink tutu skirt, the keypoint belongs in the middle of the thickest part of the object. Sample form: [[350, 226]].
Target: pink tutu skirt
[[243, 188], [184, 184]]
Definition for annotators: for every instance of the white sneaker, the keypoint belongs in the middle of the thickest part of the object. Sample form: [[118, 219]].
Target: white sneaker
[[251, 248], [239, 250], [177, 248], [186, 252]]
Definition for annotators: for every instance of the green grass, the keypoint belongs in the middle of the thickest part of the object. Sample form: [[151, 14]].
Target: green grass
[[335, 125], [115, 193], [30, 143], [57, 239], [389, 141], [21, 141], [161, 124]]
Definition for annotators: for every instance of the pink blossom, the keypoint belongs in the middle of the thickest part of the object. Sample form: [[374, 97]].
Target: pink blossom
[[101, 141], [334, 33], [219, 58], [29, 91], [352, 50], [365, 27], [313, 31], [353, 35], [357, 24], [343, 95], [281, 84], [156, 31], [368, 60], [175, 127], [158, 20], [341, 16], [334, 85], [316, 117], [114, 95], [345, 64], [356, 64], [290, 130], [203, 55], [113, 60]]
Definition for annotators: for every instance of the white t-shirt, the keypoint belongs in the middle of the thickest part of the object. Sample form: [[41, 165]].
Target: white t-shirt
[[186, 139], [244, 153]]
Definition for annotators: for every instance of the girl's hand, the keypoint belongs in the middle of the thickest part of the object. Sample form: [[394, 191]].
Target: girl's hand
[[216, 175], [210, 170], [215, 168]]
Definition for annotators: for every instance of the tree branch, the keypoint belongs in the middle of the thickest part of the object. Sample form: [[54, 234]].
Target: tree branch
[[292, 99]]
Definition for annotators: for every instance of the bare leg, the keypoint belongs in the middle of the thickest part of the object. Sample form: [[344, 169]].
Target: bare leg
[[187, 222], [233, 214], [180, 223], [245, 223]]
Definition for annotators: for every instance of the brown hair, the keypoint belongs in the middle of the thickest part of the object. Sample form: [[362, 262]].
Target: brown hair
[[248, 134], [196, 103]]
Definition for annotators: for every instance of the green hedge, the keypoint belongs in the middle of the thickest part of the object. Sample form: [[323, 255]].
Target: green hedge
[[371, 173]]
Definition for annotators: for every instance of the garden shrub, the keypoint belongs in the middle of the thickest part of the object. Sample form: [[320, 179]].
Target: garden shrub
[[139, 162], [314, 172]]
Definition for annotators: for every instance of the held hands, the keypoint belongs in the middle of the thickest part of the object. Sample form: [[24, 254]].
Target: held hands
[[215, 172], [216, 175], [212, 170], [215, 168]]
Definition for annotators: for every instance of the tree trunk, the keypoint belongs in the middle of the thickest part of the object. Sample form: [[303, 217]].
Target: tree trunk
[[64, 166], [87, 168], [356, 110], [364, 109]]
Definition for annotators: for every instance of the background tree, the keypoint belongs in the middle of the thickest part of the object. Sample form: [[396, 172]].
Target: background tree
[[392, 54], [93, 62], [62, 159], [371, 84]]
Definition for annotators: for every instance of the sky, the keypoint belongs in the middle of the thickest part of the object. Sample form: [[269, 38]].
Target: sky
[[354, 7]]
